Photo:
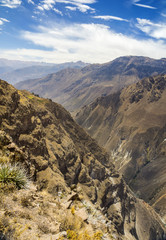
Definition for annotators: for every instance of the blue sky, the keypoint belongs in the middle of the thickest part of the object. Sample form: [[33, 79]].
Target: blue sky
[[94, 31]]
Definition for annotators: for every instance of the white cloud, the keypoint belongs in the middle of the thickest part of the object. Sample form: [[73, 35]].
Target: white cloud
[[71, 8], [10, 3], [163, 14], [76, 1], [84, 1], [81, 5], [144, 6], [155, 30], [84, 8], [2, 20], [93, 43], [136, 3], [28, 55], [58, 11], [46, 5], [31, 1], [108, 17], [40, 8], [143, 21]]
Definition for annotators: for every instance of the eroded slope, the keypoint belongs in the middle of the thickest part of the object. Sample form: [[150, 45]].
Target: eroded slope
[[131, 125]]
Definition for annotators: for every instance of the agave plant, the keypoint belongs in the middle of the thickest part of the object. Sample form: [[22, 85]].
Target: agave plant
[[13, 174]]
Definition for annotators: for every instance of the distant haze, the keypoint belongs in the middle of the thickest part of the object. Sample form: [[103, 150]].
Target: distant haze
[[15, 71]]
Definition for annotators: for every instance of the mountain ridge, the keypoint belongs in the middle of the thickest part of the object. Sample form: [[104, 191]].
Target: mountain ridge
[[80, 88]]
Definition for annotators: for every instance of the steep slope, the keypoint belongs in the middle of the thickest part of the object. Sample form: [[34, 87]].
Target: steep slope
[[131, 125], [74, 89], [36, 71], [58, 153]]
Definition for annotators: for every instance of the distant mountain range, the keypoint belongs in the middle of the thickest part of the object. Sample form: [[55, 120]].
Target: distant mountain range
[[9, 65], [74, 88], [131, 125], [15, 71]]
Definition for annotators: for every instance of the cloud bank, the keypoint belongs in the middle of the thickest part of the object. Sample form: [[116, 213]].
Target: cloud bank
[[10, 3], [155, 30], [81, 5], [94, 43]]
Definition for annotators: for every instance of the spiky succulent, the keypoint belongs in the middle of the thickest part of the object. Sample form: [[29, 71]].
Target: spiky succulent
[[13, 174]]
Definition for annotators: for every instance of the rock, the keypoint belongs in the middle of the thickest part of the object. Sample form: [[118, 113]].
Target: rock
[[60, 235], [82, 214], [67, 204], [73, 197], [73, 186]]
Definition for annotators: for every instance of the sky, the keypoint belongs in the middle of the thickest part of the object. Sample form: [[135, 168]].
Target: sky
[[92, 31]]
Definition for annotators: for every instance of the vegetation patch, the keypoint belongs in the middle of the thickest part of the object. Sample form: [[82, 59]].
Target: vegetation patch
[[83, 236], [13, 175]]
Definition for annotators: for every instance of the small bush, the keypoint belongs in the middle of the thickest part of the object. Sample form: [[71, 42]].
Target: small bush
[[98, 235], [13, 175], [5, 228], [4, 159], [72, 235], [73, 210], [70, 221], [43, 227], [26, 201]]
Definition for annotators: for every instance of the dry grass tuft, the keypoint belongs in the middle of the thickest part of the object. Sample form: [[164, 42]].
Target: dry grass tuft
[[70, 221]]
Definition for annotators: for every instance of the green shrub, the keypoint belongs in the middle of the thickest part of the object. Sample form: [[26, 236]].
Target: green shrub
[[13, 174]]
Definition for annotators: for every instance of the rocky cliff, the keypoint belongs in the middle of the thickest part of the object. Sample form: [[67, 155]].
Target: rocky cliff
[[59, 156], [131, 125]]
